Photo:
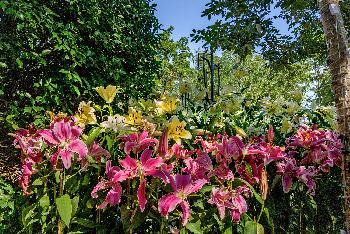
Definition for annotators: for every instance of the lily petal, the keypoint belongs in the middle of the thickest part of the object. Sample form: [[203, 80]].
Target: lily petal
[[48, 136], [141, 195], [185, 212], [145, 156], [79, 147], [66, 156], [168, 203], [198, 184], [128, 163]]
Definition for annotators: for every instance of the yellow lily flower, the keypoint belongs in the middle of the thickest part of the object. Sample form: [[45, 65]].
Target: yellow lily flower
[[133, 117], [292, 108], [86, 114], [167, 105], [108, 93], [184, 87], [176, 130], [286, 126]]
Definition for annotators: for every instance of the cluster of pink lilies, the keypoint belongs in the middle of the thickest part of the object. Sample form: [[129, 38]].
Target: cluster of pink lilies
[[215, 160]]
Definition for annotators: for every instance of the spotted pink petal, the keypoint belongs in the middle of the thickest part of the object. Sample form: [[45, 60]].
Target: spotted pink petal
[[100, 186], [66, 157], [152, 164], [54, 158], [62, 130], [48, 136], [129, 146], [240, 203], [79, 147], [287, 182], [235, 215], [197, 185], [76, 131], [128, 163], [145, 156], [221, 210], [168, 203], [162, 173], [141, 195], [183, 182], [143, 135], [185, 212], [144, 144], [120, 176], [96, 151], [133, 137], [113, 197]]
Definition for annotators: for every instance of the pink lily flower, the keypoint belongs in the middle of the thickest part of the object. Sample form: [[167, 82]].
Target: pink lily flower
[[115, 176], [96, 152], [323, 148], [268, 152], [207, 146], [230, 148], [306, 175], [30, 144], [137, 142], [27, 171], [180, 152], [222, 172], [198, 168], [147, 166], [288, 170], [231, 199], [182, 186], [65, 136]]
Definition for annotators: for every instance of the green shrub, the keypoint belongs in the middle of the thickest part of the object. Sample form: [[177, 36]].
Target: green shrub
[[52, 54]]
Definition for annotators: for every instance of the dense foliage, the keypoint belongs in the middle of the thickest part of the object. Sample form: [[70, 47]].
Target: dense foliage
[[54, 52], [247, 26]]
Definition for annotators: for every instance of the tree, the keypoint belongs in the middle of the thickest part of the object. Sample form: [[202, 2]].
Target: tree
[[339, 65], [53, 53], [247, 26], [175, 58]]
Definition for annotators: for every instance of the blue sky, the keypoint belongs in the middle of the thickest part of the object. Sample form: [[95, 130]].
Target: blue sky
[[185, 15]]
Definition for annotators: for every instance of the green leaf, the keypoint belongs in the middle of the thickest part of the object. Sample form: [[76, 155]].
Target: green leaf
[[19, 63], [194, 227], [75, 203], [84, 222], [76, 90], [64, 207], [252, 227], [3, 65], [27, 213], [206, 188], [44, 201], [228, 230], [37, 182], [93, 134]]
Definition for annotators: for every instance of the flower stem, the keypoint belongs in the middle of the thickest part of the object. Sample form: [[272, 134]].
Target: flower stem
[[261, 211]]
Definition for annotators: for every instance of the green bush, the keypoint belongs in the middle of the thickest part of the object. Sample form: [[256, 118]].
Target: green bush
[[53, 53]]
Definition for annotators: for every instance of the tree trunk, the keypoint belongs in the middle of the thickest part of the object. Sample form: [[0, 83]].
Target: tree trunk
[[339, 65]]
